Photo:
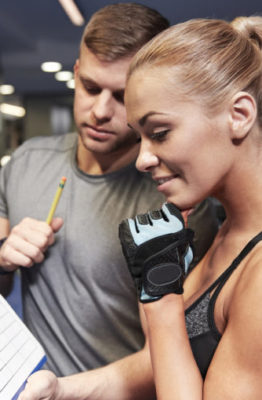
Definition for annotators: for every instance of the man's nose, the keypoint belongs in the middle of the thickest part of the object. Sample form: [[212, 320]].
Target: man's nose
[[103, 108]]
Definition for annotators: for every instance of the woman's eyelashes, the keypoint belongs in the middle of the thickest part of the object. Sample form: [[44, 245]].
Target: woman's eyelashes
[[159, 136]]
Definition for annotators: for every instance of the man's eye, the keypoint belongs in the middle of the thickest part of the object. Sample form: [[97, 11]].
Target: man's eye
[[159, 135], [92, 89], [119, 97]]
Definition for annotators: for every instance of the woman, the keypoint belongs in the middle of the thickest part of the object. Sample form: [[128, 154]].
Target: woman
[[193, 96]]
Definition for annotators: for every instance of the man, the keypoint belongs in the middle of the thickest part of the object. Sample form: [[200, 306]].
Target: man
[[78, 298]]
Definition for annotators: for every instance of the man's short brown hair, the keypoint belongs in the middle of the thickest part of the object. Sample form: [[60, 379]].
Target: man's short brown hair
[[119, 30]]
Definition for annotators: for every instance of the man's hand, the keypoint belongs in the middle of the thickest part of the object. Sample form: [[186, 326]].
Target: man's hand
[[42, 385], [27, 242], [158, 251]]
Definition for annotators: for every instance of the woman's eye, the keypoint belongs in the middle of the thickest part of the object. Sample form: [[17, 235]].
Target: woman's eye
[[159, 135]]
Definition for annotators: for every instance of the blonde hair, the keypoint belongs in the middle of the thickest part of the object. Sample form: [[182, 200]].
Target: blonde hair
[[211, 59]]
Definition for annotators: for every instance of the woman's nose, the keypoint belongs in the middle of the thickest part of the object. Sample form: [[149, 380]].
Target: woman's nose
[[146, 159]]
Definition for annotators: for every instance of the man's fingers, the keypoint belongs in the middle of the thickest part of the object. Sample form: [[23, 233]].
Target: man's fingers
[[40, 386], [27, 243], [56, 224], [33, 231], [21, 253]]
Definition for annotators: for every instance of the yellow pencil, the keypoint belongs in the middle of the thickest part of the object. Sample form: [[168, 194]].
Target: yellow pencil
[[56, 200]]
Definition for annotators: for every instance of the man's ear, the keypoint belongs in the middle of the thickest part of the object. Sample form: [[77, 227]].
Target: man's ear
[[76, 68], [242, 116]]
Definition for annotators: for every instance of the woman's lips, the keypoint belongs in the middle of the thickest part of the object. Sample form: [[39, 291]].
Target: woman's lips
[[164, 181], [161, 181], [164, 184]]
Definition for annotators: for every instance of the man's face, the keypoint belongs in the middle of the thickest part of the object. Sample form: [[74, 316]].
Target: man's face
[[99, 110]]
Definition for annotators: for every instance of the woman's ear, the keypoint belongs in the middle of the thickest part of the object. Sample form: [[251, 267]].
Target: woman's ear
[[242, 116]]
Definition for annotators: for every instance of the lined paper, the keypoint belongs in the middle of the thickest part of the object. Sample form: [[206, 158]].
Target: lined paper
[[20, 353]]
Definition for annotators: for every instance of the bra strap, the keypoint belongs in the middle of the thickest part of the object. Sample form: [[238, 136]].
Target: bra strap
[[223, 278]]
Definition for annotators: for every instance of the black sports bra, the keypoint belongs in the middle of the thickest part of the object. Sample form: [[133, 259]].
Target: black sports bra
[[201, 328]]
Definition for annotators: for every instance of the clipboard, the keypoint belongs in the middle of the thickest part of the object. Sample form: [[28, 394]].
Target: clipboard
[[20, 353]]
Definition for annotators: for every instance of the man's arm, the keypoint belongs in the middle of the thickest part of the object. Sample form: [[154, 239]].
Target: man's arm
[[127, 379], [6, 281], [130, 378]]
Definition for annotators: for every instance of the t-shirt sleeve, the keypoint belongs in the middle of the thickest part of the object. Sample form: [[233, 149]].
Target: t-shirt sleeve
[[4, 176]]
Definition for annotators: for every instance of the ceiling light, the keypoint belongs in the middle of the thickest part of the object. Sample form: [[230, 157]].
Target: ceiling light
[[72, 11], [70, 84], [51, 66], [7, 89], [10, 109], [64, 75], [4, 160]]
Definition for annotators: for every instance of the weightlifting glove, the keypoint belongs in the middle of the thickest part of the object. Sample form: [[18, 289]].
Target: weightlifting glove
[[158, 251]]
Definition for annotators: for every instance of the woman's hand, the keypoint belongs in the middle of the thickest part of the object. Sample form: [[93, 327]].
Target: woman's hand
[[158, 251]]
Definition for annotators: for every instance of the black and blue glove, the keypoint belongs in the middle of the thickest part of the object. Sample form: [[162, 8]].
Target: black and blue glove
[[158, 251]]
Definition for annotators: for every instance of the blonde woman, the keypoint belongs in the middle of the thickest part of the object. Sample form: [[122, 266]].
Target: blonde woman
[[194, 97]]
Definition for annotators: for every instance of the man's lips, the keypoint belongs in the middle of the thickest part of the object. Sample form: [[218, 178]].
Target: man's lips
[[95, 132]]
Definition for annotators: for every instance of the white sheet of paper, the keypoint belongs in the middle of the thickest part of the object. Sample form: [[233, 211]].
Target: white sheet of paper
[[20, 353]]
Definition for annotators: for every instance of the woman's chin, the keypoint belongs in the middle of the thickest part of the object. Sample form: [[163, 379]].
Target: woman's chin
[[185, 208]]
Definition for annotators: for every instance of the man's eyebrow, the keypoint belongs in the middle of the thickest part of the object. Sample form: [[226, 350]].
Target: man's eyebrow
[[142, 120], [87, 79]]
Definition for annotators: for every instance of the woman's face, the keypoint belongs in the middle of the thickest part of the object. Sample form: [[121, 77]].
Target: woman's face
[[188, 153]]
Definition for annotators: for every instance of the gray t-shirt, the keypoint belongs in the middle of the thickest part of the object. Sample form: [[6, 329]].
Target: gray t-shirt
[[80, 302]]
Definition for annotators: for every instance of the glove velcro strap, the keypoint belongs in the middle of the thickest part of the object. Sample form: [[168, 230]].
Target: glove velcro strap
[[163, 273], [163, 279], [156, 246]]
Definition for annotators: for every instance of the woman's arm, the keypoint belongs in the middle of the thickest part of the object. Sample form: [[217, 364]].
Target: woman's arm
[[236, 368], [176, 374]]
